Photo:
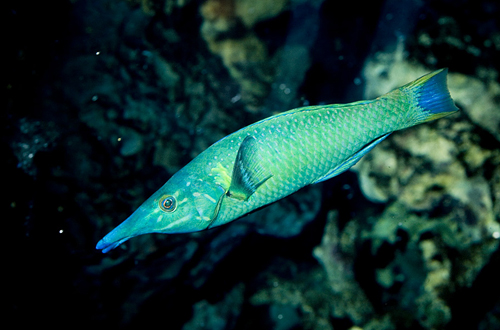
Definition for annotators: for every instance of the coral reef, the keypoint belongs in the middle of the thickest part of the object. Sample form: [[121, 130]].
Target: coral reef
[[106, 99], [220, 316], [446, 213], [227, 29], [348, 299]]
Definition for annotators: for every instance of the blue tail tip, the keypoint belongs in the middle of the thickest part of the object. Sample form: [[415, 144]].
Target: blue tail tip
[[434, 95]]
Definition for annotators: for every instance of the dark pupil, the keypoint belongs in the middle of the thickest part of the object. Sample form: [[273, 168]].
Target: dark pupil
[[167, 203]]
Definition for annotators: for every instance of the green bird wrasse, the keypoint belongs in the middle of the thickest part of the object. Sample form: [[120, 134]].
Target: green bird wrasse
[[274, 157]]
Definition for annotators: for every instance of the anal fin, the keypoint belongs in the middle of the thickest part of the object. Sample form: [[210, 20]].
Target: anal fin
[[248, 172], [351, 161]]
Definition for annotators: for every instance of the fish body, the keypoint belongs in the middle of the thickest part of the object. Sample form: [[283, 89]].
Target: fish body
[[272, 158]]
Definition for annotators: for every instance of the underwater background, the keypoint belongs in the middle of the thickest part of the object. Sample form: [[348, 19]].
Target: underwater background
[[104, 100]]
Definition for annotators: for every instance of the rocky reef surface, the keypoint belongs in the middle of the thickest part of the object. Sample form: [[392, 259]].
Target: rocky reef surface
[[106, 99]]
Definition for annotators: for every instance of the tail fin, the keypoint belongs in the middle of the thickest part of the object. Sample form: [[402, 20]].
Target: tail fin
[[433, 97]]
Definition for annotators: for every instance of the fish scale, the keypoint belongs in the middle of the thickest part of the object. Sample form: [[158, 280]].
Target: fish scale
[[325, 148], [273, 158]]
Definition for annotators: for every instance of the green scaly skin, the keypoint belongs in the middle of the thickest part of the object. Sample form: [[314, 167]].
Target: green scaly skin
[[287, 152]]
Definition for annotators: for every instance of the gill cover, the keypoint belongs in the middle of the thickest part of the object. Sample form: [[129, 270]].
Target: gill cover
[[207, 199]]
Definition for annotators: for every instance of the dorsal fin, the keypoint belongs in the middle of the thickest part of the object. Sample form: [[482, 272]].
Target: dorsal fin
[[248, 172]]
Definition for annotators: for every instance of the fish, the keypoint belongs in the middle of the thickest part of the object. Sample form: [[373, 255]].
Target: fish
[[276, 156]]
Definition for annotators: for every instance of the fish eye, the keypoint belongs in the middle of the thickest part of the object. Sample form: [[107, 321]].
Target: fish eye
[[168, 203]]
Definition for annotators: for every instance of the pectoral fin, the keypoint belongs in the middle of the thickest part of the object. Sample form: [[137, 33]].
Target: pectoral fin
[[351, 161], [248, 172]]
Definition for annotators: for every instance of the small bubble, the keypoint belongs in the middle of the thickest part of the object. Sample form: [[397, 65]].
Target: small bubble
[[236, 98]]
